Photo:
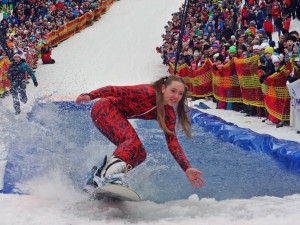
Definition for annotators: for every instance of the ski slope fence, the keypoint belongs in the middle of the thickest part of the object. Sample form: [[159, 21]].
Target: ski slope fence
[[238, 82]]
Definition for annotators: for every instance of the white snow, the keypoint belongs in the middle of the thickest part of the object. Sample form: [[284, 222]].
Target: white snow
[[119, 49]]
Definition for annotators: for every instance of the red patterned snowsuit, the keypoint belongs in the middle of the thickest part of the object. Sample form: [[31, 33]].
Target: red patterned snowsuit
[[110, 115]]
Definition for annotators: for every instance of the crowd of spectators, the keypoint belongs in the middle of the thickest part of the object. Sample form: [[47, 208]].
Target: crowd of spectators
[[231, 29], [28, 24]]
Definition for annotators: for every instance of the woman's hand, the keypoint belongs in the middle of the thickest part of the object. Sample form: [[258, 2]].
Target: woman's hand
[[194, 176], [83, 98]]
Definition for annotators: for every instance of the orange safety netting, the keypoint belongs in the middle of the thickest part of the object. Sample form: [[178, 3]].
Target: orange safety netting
[[277, 98], [4, 82], [70, 28], [238, 81], [226, 85], [247, 70], [199, 81]]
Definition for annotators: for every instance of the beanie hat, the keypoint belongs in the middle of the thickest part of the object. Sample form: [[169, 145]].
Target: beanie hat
[[256, 47], [272, 43], [246, 53], [196, 53], [269, 50], [16, 55], [232, 49], [216, 55], [252, 23], [11, 44], [215, 45], [255, 42], [275, 59], [264, 45], [291, 38]]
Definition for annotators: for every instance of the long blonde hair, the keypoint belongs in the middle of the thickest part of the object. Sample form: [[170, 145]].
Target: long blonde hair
[[181, 112]]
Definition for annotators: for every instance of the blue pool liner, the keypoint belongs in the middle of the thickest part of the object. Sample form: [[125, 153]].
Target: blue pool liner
[[287, 152]]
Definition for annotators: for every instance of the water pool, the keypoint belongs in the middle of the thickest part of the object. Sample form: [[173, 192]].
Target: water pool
[[62, 137]]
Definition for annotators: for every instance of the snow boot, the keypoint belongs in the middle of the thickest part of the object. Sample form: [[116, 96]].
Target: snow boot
[[114, 172], [90, 184]]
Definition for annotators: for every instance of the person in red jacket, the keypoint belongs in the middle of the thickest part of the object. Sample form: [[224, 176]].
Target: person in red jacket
[[276, 11], [59, 5], [46, 55], [286, 25], [269, 28], [118, 104]]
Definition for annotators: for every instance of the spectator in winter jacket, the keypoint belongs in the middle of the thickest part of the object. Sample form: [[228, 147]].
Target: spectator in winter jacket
[[46, 55], [276, 11], [269, 29], [259, 19], [262, 36], [297, 6], [286, 11], [251, 16], [286, 25], [17, 78], [268, 67], [228, 32], [196, 62], [278, 24], [289, 50], [269, 5]]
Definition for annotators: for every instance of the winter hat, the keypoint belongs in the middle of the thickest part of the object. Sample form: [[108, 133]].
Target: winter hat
[[196, 53], [252, 23], [272, 43], [11, 44], [275, 59], [232, 49], [215, 45], [256, 47], [255, 42], [20, 52], [264, 45], [216, 55], [269, 50], [246, 53], [291, 38], [16, 55]]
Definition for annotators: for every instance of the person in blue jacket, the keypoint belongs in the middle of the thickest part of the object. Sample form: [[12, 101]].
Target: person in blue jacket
[[17, 78]]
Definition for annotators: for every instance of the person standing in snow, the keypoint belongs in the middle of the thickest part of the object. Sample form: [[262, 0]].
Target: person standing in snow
[[117, 104], [17, 78]]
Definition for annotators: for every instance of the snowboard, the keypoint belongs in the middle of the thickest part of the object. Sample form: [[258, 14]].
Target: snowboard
[[108, 190], [115, 192]]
